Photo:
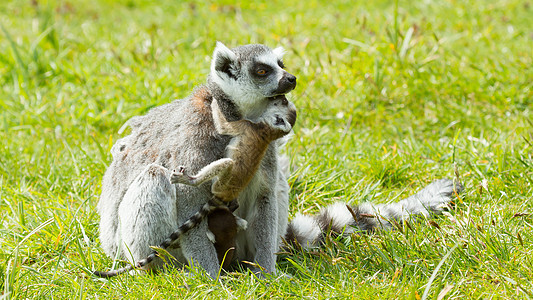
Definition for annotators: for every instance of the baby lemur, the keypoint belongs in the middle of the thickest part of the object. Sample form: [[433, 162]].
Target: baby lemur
[[245, 151], [231, 175]]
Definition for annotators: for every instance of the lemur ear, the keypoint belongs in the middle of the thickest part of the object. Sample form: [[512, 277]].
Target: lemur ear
[[224, 60], [279, 52]]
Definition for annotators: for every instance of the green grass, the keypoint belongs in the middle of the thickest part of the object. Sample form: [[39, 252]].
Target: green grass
[[391, 95]]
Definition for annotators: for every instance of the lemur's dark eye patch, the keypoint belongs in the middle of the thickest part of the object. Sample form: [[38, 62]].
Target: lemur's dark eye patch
[[262, 69], [281, 64]]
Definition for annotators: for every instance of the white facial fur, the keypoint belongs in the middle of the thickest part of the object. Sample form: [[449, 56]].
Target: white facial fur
[[271, 59], [248, 96], [273, 110]]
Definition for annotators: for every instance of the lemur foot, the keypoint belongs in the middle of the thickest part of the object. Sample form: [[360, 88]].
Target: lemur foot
[[180, 176]]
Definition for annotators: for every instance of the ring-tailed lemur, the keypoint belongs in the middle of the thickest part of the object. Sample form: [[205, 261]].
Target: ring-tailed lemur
[[244, 154], [139, 206]]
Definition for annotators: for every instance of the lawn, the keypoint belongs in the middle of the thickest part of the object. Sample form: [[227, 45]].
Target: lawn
[[391, 95]]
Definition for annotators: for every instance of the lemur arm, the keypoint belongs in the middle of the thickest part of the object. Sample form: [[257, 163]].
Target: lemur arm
[[217, 168], [223, 126]]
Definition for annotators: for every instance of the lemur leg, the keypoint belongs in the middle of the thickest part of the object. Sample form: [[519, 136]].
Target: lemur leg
[[147, 214], [265, 233], [282, 197], [212, 170], [223, 227]]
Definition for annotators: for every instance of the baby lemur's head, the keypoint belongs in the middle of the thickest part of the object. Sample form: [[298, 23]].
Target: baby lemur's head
[[250, 76], [280, 115]]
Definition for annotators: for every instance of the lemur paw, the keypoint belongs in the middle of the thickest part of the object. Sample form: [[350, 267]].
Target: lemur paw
[[179, 176], [211, 237], [242, 224]]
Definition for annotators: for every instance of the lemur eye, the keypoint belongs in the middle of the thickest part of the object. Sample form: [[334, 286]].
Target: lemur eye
[[261, 72]]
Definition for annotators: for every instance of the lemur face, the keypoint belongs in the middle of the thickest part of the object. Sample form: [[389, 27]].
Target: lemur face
[[250, 75], [267, 73], [280, 113]]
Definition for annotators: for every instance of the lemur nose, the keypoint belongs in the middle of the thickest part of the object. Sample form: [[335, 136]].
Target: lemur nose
[[291, 78]]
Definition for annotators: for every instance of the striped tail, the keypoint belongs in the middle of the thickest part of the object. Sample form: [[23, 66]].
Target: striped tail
[[185, 227], [341, 218]]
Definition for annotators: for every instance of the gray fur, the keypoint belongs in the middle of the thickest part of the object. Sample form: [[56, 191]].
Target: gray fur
[[149, 262], [308, 231], [182, 133]]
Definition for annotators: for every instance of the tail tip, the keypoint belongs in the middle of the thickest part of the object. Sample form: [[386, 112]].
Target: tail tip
[[102, 274]]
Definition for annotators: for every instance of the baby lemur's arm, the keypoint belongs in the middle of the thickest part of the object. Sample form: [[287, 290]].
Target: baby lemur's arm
[[223, 126], [216, 168]]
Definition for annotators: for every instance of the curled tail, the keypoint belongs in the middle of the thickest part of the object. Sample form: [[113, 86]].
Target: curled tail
[[188, 225], [308, 231]]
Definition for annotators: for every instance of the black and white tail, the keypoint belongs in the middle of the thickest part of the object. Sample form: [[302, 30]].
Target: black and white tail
[[188, 225], [308, 231]]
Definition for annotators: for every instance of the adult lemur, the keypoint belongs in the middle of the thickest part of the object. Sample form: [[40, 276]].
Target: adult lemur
[[139, 207], [231, 175]]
